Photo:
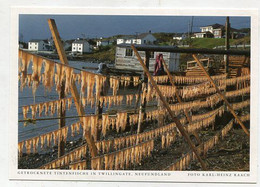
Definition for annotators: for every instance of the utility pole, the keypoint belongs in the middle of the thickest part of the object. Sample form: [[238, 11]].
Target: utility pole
[[191, 25], [227, 43], [189, 29]]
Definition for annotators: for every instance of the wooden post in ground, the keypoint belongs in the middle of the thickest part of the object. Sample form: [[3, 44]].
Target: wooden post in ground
[[221, 95], [61, 144], [137, 102], [142, 106], [179, 99], [166, 105], [74, 91], [99, 109], [227, 44]]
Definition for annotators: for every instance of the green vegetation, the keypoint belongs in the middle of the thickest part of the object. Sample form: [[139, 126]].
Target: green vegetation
[[207, 42], [105, 54], [213, 42], [163, 38]]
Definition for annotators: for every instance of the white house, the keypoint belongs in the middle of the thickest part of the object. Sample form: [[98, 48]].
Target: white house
[[81, 46], [216, 30], [144, 38], [38, 45], [203, 35]]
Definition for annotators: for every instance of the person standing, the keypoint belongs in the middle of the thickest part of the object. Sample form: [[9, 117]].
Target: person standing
[[158, 66]]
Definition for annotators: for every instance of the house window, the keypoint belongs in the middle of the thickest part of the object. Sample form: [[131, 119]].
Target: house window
[[128, 52], [30, 47], [74, 48], [152, 54], [216, 32], [144, 41], [35, 47], [79, 48]]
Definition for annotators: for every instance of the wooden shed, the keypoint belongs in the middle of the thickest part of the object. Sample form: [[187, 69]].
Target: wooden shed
[[125, 59]]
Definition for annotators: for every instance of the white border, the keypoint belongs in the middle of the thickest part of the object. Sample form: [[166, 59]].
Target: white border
[[179, 176]]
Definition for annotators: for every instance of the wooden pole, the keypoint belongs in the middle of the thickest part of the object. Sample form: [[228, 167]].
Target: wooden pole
[[221, 95], [74, 91], [137, 102], [99, 109], [166, 105], [142, 106], [61, 144], [179, 99], [227, 44]]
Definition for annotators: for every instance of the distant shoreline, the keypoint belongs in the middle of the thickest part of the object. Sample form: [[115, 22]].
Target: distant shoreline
[[55, 56]]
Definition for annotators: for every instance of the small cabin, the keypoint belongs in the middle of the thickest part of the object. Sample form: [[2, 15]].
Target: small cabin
[[126, 59]]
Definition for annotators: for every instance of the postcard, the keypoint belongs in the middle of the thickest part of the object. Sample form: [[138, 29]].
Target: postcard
[[129, 95]]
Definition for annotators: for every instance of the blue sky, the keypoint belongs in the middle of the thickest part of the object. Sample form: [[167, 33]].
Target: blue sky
[[92, 26]]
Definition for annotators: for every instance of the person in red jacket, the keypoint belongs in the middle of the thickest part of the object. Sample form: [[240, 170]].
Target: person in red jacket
[[158, 66]]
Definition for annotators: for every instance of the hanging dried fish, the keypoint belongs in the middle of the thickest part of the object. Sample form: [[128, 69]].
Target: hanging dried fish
[[114, 84], [136, 80], [25, 111], [69, 78], [48, 74], [26, 59], [37, 66], [59, 76]]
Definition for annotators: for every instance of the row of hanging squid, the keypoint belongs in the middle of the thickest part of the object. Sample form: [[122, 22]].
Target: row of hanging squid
[[166, 132], [62, 73], [124, 158], [196, 80], [198, 90], [74, 157], [45, 140], [184, 162], [234, 81], [161, 79], [105, 146], [243, 104], [236, 93], [52, 106], [243, 118], [88, 80], [92, 124]]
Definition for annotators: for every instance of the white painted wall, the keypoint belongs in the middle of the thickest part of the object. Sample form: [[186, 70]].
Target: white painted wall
[[83, 47], [148, 39], [37, 46]]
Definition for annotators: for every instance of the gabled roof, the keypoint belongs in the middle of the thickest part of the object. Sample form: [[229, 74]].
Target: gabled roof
[[80, 41], [215, 26]]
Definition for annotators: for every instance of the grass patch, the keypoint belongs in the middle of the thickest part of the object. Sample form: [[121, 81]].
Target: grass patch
[[107, 55]]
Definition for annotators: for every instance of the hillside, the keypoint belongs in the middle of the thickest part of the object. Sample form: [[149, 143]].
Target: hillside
[[213, 42]]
